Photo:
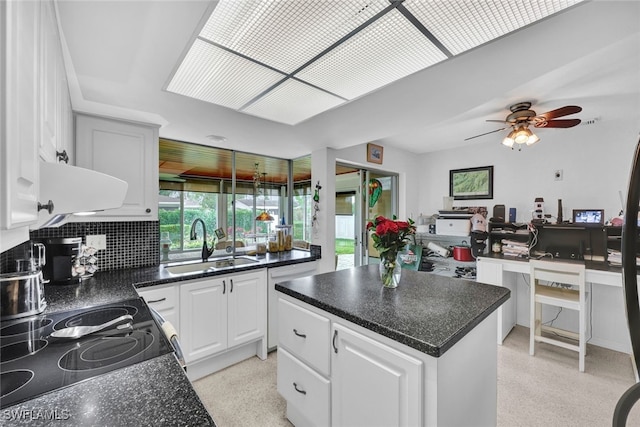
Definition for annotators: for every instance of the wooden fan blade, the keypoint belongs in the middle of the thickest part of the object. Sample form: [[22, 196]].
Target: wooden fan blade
[[565, 123], [496, 121], [560, 112], [486, 133]]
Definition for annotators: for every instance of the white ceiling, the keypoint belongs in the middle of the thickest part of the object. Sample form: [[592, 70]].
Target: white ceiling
[[121, 54]]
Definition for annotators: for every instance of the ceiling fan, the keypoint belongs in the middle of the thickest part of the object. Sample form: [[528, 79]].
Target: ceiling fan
[[522, 116]]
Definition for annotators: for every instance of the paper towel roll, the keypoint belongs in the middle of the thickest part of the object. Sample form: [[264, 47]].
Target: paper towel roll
[[434, 247]]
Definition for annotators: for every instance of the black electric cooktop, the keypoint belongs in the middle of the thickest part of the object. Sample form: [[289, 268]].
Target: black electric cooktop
[[33, 362]]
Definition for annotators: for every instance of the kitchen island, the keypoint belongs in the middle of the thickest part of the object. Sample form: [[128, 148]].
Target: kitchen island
[[354, 353]]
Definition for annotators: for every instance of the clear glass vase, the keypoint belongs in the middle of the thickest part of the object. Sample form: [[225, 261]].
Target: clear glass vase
[[390, 272]]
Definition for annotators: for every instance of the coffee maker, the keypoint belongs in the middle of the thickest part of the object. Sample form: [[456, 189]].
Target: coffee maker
[[61, 255]]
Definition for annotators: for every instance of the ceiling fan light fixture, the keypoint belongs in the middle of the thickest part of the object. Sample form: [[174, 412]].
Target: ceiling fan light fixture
[[533, 139], [509, 139], [522, 135]]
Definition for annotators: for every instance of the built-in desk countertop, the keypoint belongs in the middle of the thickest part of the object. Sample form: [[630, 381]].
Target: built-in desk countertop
[[608, 326], [596, 271]]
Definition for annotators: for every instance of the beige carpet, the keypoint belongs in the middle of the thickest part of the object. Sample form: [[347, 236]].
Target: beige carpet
[[545, 390]]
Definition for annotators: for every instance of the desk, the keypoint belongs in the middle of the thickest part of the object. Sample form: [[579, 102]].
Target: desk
[[608, 326]]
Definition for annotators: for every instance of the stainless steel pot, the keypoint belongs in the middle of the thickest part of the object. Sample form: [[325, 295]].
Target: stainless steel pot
[[22, 294]]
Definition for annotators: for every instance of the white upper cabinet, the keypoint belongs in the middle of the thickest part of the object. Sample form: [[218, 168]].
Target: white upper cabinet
[[125, 150], [19, 120], [55, 106], [35, 111]]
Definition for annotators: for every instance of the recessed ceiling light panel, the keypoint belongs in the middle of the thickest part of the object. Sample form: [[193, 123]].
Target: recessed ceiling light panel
[[292, 102], [286, 34], [385, 51], [214, 75], [463, 25]]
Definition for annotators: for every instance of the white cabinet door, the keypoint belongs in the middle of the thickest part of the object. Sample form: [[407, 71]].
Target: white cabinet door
[[282, 274], [373, 384], [491, 273], [247, 305], [51, 56], [203, 318], [128, 151], [55, 105], [19, 124]]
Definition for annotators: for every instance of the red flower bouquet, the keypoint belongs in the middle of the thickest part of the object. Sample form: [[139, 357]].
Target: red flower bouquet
[[390, 236]]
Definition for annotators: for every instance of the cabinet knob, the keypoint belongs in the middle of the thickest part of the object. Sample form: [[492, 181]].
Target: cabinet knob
[[62, 156], [148, 210], [48, 207]]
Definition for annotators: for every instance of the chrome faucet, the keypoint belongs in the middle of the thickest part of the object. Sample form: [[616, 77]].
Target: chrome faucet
[[206, 252]]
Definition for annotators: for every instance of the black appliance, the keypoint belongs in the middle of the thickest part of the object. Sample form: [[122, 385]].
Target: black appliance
[[33, 363], [630, 287], [61, 255], [425, 263], [465, 273]]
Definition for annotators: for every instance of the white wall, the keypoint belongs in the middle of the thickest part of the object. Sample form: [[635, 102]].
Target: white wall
[[595, 160], [403, 163], [323, 169]]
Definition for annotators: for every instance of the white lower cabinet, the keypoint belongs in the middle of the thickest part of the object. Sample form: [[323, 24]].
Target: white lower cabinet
[[277, 275], [373, 384], [307, 393], [332, 375], [165, 300], [376, 381], [218, 316], [490, 272], [203, 317]]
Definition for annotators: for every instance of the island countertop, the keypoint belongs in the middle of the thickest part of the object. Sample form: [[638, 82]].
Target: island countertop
[[427, 312]]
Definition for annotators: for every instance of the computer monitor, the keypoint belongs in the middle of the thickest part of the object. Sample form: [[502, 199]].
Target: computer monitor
[[588, 216]]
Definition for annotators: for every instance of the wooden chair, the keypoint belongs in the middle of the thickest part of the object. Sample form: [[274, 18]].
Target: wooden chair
[[544, 273]]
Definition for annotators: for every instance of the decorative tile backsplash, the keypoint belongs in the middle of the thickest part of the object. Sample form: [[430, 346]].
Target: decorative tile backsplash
[[129, 244]]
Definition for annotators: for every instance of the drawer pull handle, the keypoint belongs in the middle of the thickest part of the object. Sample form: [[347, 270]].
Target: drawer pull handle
[[224, 286], [231, 280], [299, 334], [156, 300], [335, 335], [298, 390]]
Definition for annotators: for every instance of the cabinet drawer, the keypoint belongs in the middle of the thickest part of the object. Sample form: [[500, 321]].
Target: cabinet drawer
[[160, 298], [302, 388], [305, 334]]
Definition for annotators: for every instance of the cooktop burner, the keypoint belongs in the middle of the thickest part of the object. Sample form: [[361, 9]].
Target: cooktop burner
[[32, 362]]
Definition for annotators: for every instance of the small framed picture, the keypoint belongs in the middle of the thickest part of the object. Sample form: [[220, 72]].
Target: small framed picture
[[220, 234], [374, 153]]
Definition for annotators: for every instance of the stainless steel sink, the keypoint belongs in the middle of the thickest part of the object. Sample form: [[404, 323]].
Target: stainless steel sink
[[233, 262], [203, 267]]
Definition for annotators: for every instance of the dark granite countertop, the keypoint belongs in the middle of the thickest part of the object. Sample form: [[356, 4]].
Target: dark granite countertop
[[427, 312], [116, 285], [155, 392]]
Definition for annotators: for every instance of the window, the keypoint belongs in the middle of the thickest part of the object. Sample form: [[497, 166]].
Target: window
[[228, 190]]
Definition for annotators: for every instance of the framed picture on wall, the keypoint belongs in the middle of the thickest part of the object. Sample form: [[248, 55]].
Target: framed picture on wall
[[471, 183], [374, 153]]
